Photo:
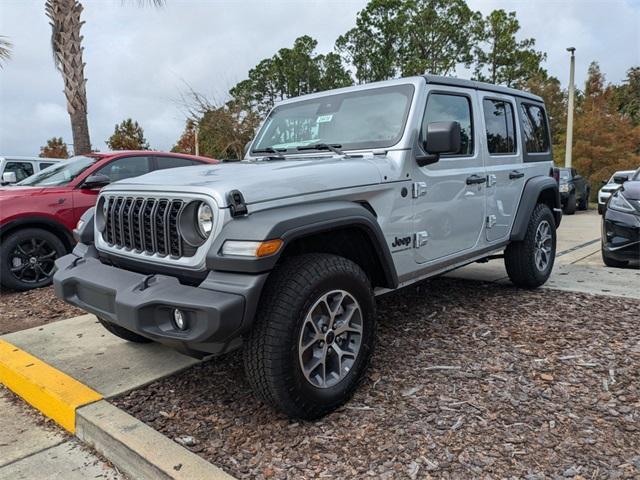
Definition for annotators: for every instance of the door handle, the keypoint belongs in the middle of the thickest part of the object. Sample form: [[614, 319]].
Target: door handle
[[515, 174], [473, 179]]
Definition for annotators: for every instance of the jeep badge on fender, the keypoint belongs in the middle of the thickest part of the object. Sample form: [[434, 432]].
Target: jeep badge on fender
[[283, 253]]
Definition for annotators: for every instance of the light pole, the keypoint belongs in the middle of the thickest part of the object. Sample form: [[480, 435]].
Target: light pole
[[567, 153]]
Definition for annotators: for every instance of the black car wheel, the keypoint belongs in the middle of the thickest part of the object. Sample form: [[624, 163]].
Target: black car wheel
[[570, 207], [27, 258], [600, 208], [584, 201]]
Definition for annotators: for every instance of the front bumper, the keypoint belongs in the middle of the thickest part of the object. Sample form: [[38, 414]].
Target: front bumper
[[621, 235], [144, 304]]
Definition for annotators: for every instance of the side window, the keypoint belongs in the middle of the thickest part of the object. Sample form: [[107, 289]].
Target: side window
[[126, 168], [498, 118], [44, 165], [21, 169], [443, 107], [534, 128], [174, 162]]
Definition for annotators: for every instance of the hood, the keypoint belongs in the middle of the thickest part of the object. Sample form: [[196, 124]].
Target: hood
[[261, 181], [631, 190]]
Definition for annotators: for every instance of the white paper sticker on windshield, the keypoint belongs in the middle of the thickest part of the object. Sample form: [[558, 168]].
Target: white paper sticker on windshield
[[324, 118]]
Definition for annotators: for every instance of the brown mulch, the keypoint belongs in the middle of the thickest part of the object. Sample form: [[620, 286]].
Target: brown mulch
[[469, 380], [22, 310]]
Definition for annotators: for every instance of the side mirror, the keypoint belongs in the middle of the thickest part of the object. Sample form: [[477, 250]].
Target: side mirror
[[603, 183], [96, 181], [441, 138], [9, 177], [619, 179]]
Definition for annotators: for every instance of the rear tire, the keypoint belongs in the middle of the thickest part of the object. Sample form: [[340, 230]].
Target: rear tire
[[529, 262], [27, 258], [123, 333], [299, 357], [584, 202], [570, 207], [610, 262]]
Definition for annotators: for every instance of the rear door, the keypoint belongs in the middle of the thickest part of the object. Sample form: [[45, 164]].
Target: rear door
[[505, 173], [449, 194]]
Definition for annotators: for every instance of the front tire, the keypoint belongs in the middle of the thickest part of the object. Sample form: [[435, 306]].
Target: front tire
[[123, 333], [611, 262], [27, 258], [313, 335], [529, 262]]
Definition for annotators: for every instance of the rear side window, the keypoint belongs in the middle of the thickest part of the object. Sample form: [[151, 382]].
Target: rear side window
[[173, 162], [44, 165], [21, 169], [442, 107], [534, 129], [498, 119]]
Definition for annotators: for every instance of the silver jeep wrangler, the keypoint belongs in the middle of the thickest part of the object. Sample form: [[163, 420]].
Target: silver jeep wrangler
[[342, 196]]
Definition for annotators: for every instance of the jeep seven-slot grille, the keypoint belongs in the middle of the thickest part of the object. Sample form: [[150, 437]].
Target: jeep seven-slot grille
[[145, 225]]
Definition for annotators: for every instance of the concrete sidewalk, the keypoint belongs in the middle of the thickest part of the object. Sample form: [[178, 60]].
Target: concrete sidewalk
[[31, 449]]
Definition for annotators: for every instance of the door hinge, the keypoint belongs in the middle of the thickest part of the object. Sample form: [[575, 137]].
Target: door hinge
[[419, 189], [491, 180], [491, 221], [421, 239]]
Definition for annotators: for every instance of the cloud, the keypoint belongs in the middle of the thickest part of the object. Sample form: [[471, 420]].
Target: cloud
[[139, 60]]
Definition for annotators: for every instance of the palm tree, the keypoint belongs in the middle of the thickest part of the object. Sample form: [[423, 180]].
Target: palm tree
[[66, 43], [5, 49]]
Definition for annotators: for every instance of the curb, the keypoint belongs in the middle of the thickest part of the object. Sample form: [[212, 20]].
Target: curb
[[135, 448], [45, 388]]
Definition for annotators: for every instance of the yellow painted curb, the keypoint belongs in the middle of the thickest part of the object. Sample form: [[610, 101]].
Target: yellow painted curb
[[47, 389]]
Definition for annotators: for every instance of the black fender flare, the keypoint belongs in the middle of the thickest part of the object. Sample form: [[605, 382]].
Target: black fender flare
[[45, 223], [533, 189], [294, 222]]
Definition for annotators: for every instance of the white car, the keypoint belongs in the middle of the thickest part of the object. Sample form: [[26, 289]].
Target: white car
[[15, 169], [611, 186]]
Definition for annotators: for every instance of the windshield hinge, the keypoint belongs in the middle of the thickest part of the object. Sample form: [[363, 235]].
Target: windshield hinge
[[419, 189]]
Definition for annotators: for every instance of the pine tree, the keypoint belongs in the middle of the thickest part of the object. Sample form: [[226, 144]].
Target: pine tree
[[129, 135]]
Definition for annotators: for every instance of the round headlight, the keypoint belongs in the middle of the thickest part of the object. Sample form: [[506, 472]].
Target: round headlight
[[205, 220]]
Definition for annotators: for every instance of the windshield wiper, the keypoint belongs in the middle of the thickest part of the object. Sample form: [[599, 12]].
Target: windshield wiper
[[335, 148], [276, 154]]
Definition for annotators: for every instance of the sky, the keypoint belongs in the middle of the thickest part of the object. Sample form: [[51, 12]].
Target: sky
[[140, 60]]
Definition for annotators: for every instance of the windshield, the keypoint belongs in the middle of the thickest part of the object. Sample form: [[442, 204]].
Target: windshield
[[636, 176], [371, 118], [59, 174]]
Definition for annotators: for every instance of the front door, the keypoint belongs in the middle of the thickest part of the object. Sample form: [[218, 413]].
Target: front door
[[449, 203]]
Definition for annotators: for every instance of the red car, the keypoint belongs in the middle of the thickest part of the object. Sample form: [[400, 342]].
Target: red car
[[37, 215]]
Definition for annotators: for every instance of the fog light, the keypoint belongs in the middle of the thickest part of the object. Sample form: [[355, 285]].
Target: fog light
[[180, 319]]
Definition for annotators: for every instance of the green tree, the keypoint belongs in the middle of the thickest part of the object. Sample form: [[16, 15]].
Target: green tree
[[66, 44], [502, 59], [5, 49], [55, 148], [128, 135], [627, 96], [291, 72], [410, 37]]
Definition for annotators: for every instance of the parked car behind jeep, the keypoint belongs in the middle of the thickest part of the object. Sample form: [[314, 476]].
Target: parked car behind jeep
[[37, 215], [574, 191], [614, 183], [14, 169], [343, 195]]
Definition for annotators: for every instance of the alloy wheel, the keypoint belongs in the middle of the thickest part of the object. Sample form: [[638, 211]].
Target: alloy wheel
[[543, 245]]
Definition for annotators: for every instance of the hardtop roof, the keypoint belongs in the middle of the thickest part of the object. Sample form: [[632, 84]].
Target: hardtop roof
[[489, 87]]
